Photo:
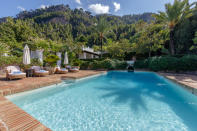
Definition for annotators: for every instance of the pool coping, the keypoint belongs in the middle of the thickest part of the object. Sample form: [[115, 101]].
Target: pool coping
[[192, 90], [58, 78]]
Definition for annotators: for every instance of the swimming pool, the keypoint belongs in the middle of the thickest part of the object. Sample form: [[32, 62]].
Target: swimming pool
[[115, 101]]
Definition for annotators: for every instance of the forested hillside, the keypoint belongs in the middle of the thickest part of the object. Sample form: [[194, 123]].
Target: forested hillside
[[61, 28]]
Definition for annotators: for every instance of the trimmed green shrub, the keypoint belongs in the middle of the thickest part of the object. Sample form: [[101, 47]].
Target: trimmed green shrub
[[120, 65], [51, 60], [85, 65], [141, 64], [163, 63], [188, 63], [10, 60], [168, 63], [35, 62], [77, 62], [106, 64]]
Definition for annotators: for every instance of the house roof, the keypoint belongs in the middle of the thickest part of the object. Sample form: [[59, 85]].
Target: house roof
[[94, 53]]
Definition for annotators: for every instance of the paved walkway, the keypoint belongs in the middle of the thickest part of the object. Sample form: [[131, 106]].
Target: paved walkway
[[21, 85], [183, 79], [12, 118]]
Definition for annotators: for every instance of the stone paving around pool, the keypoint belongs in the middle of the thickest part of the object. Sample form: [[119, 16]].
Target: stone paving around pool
[[21, 85], [12, 118], [188, 81]]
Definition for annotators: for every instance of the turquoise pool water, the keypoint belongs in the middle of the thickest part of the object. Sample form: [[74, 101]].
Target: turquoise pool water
[[116, 101]]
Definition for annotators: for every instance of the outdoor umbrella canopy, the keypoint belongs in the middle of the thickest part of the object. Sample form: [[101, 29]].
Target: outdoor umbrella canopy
[[59, 54], [26, 55], [66, 58]]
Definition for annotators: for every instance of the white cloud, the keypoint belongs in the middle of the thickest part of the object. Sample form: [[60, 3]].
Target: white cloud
[[99, 8], [44, 6], [79, 7], [78, 1], [21, 8], [116, 6]]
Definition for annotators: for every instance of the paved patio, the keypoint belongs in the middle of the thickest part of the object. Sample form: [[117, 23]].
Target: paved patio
[[188, 81], [12, 118], [184, 79], [21, 85]]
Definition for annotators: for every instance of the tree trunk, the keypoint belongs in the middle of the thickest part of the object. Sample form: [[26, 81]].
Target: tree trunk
[[172, 42], [101, 40], [149, 54]]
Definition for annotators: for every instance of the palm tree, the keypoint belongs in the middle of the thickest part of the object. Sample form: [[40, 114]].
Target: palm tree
[[101, 28], [175, 13]]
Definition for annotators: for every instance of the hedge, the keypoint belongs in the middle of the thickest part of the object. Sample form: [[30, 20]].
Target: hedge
[[107, 64], [168, 63], [10, 60]]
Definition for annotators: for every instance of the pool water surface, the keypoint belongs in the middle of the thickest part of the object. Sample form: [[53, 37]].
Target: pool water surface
[[115, 101]]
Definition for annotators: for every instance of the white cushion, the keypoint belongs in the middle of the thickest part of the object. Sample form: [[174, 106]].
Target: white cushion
[[14, 74], [42, 71], [13, 68], [64, 69], [36, 68], [74, 69]]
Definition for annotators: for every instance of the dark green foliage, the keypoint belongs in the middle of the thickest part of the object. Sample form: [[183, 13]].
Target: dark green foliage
[[188, 63], [10, 60], [163, 63], [141, 64], [168, 63], [59, 29], [36, 62], [51, 60], [106, 64], [77, 62]]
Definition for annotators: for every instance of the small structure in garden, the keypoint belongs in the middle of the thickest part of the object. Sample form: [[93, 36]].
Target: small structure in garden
[[130, 67], [88, 53]]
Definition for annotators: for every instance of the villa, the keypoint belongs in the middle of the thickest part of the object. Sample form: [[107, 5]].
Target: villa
[[88, 53]]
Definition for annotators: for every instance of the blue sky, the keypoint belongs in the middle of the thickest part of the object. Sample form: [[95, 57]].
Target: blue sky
[[117, 7]]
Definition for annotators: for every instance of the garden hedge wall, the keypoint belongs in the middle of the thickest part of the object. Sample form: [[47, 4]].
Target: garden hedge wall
[[107, 64], [9, 60], [168, 63]]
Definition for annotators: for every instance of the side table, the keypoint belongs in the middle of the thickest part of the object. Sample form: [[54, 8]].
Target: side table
[[29, 72]]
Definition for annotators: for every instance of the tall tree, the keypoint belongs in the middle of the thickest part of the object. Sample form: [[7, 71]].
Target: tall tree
[[101, 28], [175, 13]]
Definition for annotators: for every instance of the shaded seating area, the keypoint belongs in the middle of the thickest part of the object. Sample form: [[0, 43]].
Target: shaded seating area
[[38, 71], [14, 72], [59, 70]]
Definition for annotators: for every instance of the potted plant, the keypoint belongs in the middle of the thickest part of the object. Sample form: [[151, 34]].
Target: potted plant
[[77, 63], [51, 61]]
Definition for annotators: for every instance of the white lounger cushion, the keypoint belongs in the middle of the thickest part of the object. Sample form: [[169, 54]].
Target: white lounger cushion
[[74, 69], [36, 68], [14, 74], [42, 71], [64, 69], [12, 69]]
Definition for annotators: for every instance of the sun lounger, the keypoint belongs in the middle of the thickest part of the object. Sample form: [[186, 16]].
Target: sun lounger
[[74, 69], [39, 72], [14, 72], [61, 71]]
